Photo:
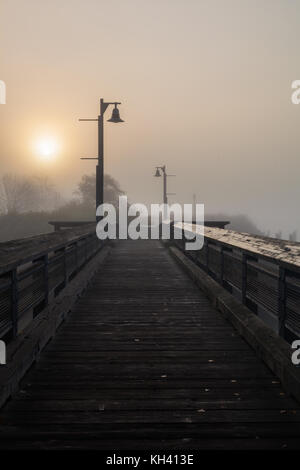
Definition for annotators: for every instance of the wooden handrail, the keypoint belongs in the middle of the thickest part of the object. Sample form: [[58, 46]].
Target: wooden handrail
[[15, 252]]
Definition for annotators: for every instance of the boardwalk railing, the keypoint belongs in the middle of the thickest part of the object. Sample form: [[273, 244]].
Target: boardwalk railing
[[35, 270], [263, 273]]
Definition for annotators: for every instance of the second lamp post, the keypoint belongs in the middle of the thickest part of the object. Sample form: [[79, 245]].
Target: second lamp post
[[157, 174]]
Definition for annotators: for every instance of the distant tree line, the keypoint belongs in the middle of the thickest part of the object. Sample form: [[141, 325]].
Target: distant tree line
[[27, 205], [21, 194]]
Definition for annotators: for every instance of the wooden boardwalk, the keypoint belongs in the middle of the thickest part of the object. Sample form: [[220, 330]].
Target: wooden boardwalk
[[145, 361]]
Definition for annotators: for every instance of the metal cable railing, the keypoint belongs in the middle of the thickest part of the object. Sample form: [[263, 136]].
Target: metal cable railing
[[39, 272], [269, 286]]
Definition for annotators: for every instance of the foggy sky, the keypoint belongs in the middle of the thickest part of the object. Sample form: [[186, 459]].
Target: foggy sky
[[205, 87]]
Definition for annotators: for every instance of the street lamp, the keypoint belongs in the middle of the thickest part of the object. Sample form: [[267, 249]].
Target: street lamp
[[115, 117], [163, 170]]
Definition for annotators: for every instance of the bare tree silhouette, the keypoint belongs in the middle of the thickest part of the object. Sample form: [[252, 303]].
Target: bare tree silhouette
[[87, 187], [21, 194]]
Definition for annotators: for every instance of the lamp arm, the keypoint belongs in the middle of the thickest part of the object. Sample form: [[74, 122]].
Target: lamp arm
[[104, 105]]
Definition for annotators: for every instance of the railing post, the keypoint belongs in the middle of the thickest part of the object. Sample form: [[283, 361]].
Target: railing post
[[244, 277], [281, 301], [76, 257], [221, 264], [14, 301], [85, 249], [172, 231], [46, 278], [182, 240], [206, 255], [65, 266]]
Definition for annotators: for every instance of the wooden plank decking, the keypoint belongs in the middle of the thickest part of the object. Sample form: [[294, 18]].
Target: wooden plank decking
[[144, 362]]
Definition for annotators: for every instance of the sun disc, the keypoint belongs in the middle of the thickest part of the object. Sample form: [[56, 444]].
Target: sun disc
[[46, 148]]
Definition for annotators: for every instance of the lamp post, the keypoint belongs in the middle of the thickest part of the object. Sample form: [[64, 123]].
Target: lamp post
[[163, 170], [115, 117]]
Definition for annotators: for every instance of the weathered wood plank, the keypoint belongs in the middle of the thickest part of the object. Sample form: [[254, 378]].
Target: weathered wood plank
[[151, 417], [134, 404]]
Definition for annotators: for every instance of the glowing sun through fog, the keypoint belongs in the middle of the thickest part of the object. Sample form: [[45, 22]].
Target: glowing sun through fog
[[46, 148]]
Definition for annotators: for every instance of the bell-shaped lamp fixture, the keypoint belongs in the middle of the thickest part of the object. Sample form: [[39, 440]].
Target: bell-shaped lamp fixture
[[157, 173], [115, 117]]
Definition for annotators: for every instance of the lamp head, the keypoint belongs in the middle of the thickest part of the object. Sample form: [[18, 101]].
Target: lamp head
[[115, 117], [157, 173]]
